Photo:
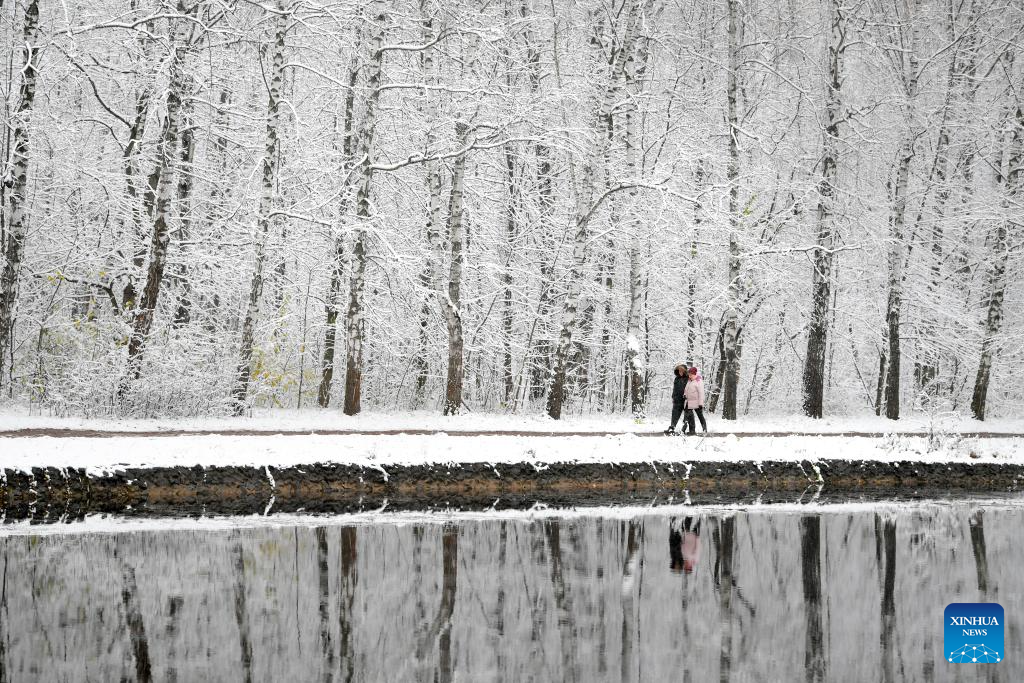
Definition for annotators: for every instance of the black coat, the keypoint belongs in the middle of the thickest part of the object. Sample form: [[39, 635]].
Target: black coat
[[678, 387]]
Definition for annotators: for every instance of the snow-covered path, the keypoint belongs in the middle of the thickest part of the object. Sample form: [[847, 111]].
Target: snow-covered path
[[66, 433], [330, 421]]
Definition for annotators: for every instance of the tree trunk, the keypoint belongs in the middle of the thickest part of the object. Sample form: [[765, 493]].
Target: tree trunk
[[730, 337], [355, 322], [183, 311], [130, 158], [453, 304], [999, 260], [897, 238], [540, 355], [556, 395], [691, 266], [507, 312], [428, 278], [263, 218], [897, 256], [880, 384], [634, 360], [821, 276], [323, 394], [15, 189], [333, 303], [161, 237]]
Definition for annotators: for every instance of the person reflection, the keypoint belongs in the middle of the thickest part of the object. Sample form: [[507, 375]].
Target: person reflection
[[684, 545]]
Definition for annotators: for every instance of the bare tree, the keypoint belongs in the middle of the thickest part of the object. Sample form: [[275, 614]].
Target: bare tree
[[730, 327], [434, 183], [822, 273], [15, 188], [903, 56], [168, 161], [453, 302], [271, 161], [333, 302], [355, 317], [1011, 182]]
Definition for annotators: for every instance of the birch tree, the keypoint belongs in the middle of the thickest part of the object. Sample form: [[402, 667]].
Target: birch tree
[[453, 302], [15, 188], [333, 303], [355, 320], [1008, 230], [730, 327], [270, 162], [160, 238]]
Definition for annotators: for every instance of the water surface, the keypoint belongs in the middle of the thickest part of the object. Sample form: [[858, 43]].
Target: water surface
[[844, 594]]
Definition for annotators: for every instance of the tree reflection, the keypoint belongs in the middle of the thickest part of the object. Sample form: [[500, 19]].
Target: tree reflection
[[324, 607], [346, 595], [724, 540], [810, 562], [241, 618], [136, 626], [885, 533], [555, 599]]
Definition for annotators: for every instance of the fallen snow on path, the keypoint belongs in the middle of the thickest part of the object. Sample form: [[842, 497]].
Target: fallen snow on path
[[116, 453], [306, 420]]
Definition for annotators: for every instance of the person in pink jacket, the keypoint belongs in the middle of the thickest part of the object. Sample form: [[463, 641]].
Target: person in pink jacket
[[694, 394]]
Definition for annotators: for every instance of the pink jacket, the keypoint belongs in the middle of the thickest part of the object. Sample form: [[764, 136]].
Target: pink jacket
[[694, 393]]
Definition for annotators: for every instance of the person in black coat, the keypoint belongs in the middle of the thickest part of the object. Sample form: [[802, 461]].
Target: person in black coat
[[678, 395]]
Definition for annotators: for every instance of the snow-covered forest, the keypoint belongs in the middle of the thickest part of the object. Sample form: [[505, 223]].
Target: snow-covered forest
[[214, 205]]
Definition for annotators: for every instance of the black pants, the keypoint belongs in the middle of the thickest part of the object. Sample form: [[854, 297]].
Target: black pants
[[689, 425], [677, 410]]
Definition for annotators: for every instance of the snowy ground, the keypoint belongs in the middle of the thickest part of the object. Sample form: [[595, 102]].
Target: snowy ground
[[292, 420], [108, 454]]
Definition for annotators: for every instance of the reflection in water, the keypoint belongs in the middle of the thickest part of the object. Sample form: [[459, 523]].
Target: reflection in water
[[579, 599], [810, 559]]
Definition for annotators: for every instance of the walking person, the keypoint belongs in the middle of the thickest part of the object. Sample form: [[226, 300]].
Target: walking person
[[693, 392], [678, 396]]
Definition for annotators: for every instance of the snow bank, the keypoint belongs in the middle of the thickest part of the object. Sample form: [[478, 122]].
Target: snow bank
[[115, 453]]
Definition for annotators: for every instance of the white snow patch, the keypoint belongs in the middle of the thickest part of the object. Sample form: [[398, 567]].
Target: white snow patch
[[99, 456]]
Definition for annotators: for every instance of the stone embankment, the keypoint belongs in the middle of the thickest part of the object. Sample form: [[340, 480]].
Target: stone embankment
[[53, 495]]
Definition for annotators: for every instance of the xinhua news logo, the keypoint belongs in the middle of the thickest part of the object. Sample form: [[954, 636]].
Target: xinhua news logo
[[973, 633]]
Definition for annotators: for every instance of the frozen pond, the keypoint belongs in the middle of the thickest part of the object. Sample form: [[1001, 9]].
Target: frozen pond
[[846, 593]]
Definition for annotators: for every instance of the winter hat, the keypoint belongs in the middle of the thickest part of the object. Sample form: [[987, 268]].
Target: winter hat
[[693, 370]]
